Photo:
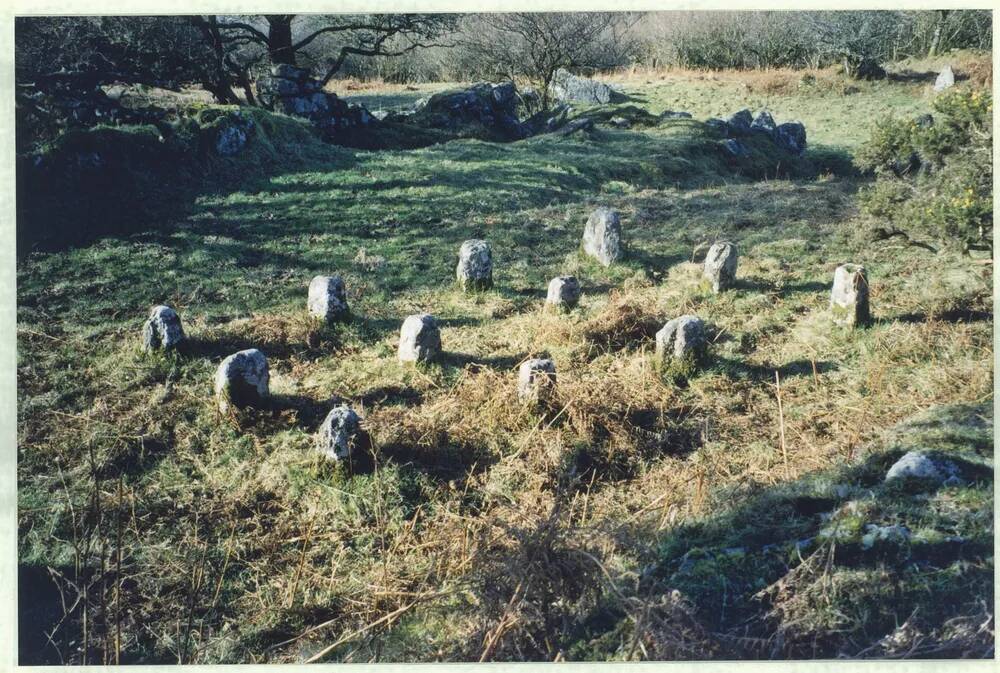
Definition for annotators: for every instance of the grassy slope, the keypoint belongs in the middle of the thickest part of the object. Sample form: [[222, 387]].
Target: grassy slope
[[487, 527]]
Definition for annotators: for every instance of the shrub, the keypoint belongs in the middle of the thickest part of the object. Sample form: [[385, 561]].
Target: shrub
[[934, 175]]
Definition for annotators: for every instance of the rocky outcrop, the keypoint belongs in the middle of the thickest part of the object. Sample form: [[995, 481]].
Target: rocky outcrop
[[570, 88], [293, 91]]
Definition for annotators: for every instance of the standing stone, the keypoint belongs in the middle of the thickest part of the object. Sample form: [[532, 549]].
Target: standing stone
[[741, 121], [475, 265], [564, 292], [536, 380], [328, 298], [335, 438], [681, 341], [602, 237], [419, 339], [162, 329], [849, 299], [720, 266], [945, 79], [242, 380], [763, 122]]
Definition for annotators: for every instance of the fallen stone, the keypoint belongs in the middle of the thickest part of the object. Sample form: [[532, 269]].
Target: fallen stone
[[569, 87], [668, 114], [945, 79], [582, 124], [877, 535], [564, 292], [720, 266], [328, 298], [681, 341], [620, 122], [849, 298], [484, 110], [536, 380], [242, 380], [293, 91], [419, 339], [602, 236], [475, 265], [335, 438], [922, 465], [162, 329]]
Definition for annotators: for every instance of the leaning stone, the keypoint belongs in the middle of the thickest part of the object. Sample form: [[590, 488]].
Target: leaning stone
[[328, 298], [335, 438], [242, 380], [920, 465], [681, 342], [849, 299], [419, 339], [564, 292], [602, 237], [536, 379], [162, 329], [945, 80], [475, 265], [720, 266]]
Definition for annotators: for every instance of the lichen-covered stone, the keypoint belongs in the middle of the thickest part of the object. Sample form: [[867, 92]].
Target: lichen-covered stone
[[945, 79], [162, 329], [328, 298], [680, 345], [564, 292], [720, 266], [475, 265], [536, 380], [336, 435], [602, 237], [242, 380], [849, 298], [922, 465], [569, 88], [419, 339]]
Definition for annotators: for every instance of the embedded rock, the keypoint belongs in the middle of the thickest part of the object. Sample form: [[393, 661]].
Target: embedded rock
[[922, 465]]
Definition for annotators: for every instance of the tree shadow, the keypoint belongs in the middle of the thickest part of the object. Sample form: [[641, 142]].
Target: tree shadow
[[456, 360], [764, 373], [959, 315]]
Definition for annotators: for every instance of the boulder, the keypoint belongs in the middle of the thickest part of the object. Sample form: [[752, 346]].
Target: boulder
[[741, 121], [234, 131], [536, 380], [419, 339], [335, 438], [564, 292], [581, 124], [720, 266], [242, 380], [945, 79], [484, 110], [849, 297], [162, 329], [568, 87], [602, 236], [328, 298], [764, 122], [791, 136], [475, 265], [923, 465], [293, 91], [719, 125], [669, 114], [681, 341]]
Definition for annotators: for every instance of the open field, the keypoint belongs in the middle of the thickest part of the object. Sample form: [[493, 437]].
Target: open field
[[635, 518]]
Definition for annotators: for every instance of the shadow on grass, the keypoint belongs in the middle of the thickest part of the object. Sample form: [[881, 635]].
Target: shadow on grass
[[953, 316]]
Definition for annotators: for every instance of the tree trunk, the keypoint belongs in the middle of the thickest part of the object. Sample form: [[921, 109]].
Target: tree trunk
[[279, 38], [936, 39]]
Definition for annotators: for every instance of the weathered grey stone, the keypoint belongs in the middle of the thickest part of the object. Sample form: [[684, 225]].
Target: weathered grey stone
[[681, 340], [242, 380], [564, 292], [536, 380], [419, 339], [741, 121], [945, 79], [880, 535], [720, 266], [791, 136], [922, 465], [328, 298], [849, 298], [335, 438], [162, 329], [233, 136], [764, 122], [620, 122], [569, 87], [602, 237], [475, 265]]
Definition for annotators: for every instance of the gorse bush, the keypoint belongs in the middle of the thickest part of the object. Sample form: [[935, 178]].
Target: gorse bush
[[934, 175]]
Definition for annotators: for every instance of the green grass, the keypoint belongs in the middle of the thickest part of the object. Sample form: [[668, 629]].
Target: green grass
[[477, 524]]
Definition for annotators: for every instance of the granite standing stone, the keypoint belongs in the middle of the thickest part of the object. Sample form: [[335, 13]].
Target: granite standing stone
[[536, 380], [419, 339], [475, 265], [335, 438], [328, 298], [945, 79], [242, 380], [564, 292], [681, 340], [162, 329], [849, 298], [720, 266], [602, 237]]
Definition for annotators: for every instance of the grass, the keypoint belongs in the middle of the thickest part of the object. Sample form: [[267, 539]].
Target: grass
[[606, 525]]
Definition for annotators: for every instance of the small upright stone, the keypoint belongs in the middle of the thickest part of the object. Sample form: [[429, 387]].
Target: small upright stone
[[720, 266], [602, 237], [536, 380], [849, 299], [945, 79], [475, 265], [162, 329], [564, 292], [328, 298], [681, 343], [419, 339], [335, 438], [242, 380]]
